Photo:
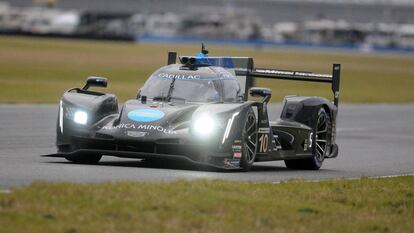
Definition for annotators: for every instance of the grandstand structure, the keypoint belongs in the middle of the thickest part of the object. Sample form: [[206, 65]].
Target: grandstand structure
[[357, 24], [268, 11]]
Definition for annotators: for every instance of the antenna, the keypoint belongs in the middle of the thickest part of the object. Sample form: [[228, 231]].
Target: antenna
[[203, 49], [172, 58]]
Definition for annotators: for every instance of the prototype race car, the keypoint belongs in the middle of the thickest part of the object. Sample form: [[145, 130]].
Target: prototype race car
[[198, 110]]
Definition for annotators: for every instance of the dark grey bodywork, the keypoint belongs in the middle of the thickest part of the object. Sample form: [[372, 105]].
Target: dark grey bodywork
[[110, 131]]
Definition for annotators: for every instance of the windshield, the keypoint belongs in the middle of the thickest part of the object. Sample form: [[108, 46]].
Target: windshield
[[192, 86]]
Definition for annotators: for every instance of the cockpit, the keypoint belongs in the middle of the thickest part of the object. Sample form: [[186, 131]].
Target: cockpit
[[203, 84]]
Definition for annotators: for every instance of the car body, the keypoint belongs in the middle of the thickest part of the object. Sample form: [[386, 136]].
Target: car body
[[198, 110]]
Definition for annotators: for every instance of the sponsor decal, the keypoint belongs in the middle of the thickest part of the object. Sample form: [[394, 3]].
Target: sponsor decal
[[157, 128], [222, 75], [179, 76], [237, 155], [120, 126], [305, 145], [235, 162], [236, 147], [146, 115], [237, 151], [293, 73], [264, 130], [136, 134], [263, 134], [232, 162]]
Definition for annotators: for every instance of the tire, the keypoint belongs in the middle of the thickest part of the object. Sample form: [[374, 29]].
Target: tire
[[84, 158], [249, 141], [321, 144]]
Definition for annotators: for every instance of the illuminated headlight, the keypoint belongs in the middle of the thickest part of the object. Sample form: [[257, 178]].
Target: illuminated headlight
[[80, 117], [228, 128], [61, 116], [204, 125]]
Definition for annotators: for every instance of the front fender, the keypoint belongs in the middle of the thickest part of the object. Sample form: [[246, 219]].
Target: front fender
[[96, 105]]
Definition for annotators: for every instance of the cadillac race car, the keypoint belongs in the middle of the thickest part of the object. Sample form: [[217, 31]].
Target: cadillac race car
[[198, 109]]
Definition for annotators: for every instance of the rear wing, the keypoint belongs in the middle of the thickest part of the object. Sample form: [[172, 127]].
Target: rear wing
[[333, 78], [243, 68]]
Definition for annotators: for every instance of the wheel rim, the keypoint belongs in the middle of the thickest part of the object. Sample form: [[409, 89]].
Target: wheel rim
[[250, 138], [321, 140]]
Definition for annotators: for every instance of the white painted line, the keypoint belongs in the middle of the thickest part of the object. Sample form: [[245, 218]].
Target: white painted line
[[390, 176], [338, 179], [350, 129]]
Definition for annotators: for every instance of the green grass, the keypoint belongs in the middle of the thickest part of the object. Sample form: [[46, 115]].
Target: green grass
[[366, 205], [34, 70]]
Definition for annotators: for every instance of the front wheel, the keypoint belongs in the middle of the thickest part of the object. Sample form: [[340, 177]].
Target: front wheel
[[249, 141], [321, 143]]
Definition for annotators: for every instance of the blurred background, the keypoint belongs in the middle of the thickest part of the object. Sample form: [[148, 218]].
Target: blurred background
[[363, 24], [48, 46]]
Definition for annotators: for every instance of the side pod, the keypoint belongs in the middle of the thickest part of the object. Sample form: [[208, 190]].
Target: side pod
[[303, 108]]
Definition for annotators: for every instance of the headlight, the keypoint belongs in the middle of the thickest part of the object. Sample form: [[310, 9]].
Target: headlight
[[228, 128], [204, 125], [61, 116], [80, 117]]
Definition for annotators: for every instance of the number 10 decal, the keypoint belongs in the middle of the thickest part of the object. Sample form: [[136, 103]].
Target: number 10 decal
[[263, 143]]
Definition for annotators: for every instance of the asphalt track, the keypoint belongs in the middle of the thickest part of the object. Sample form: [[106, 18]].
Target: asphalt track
[[374, 140]]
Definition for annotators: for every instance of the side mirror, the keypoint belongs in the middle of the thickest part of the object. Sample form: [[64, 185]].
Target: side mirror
[[266, 93], [95, 82]]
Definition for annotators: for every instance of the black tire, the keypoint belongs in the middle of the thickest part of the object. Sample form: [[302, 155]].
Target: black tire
[[321, 144], [84, 158], [249, 141]]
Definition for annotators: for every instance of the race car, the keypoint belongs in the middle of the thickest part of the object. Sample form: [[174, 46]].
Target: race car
[[198, 109]]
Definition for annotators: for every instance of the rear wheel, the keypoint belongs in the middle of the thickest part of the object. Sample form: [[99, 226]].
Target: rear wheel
[[84, 158], [249, 141], [321, 143]]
